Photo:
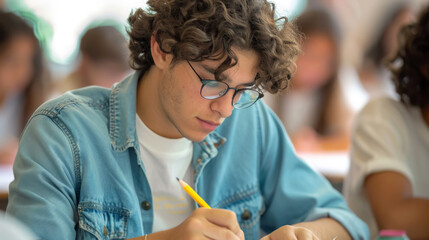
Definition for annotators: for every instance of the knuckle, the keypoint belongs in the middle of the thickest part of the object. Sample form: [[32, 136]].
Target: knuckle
[[231, 216], [288, 228], [228, 235], [305, 233], [194, 224], [199, 211]]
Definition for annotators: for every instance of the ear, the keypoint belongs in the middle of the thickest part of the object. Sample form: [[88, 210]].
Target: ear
[[162, 60]]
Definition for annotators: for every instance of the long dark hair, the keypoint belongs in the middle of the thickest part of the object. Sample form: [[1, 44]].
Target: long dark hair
[[12, 26], [321, 21]]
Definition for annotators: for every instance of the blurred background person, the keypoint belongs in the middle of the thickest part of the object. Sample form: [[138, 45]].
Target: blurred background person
[[102, 61], [24, 81], [312, 110], [388, 183], [375, 77]]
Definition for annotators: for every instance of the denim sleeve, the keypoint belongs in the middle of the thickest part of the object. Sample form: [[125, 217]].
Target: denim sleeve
[[292, 191], [42, 195]]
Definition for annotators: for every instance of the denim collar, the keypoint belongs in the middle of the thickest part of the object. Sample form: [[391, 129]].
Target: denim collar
[[122, 128]]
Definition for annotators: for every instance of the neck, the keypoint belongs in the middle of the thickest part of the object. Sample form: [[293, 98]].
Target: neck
[[149, 107]]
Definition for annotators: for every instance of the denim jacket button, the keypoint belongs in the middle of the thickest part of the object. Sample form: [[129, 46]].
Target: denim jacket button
[[199, 161], [105, 232], [246, 215], [146, 205]]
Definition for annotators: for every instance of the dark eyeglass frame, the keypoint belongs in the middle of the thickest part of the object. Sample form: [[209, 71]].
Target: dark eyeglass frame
[[221, 94]]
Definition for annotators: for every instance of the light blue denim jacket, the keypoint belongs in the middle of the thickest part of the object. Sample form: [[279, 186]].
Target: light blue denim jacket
[[79, 173]]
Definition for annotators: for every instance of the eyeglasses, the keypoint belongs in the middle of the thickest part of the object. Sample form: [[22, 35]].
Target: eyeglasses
[[242, 98]]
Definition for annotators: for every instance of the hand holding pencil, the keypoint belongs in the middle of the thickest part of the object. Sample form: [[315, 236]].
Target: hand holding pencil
[[206, 222]]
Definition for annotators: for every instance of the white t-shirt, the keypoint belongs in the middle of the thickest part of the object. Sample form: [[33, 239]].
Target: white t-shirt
[[164, 160], [388, 136]]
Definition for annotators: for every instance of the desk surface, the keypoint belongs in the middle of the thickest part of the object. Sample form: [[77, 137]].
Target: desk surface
[[6, 177], [329, 164]]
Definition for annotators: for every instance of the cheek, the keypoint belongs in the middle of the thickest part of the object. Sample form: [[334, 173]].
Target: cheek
[[313, 73], [188, 101], [14, 79]]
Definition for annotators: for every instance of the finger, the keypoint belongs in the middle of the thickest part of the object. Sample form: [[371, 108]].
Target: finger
[[285, 233], [304, 234], [224, 218], [217, 232], [240, 235], [316, 238]]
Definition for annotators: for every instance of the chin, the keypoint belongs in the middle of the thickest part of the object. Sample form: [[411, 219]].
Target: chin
[[195, 136]]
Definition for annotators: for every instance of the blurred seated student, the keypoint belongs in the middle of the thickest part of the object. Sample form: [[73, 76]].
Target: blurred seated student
[[388, 183], [23, 81], [374, 76], [103, 59], [312, 110]]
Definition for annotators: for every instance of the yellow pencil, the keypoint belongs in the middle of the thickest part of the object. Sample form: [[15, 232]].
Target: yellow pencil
[[193, 194]]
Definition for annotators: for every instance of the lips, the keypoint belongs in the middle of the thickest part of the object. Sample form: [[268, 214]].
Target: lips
[[208, 125]]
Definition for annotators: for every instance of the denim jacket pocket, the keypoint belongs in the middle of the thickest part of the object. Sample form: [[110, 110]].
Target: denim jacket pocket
[[102, 222], [248, 206]]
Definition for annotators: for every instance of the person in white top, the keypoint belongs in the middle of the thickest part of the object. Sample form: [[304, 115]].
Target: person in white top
[[388, 183]]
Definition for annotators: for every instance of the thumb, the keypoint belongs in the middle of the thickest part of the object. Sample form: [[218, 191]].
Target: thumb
[[240, 234]]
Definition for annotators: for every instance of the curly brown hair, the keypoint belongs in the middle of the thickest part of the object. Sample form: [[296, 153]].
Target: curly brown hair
[[410, 79], [195, 30]]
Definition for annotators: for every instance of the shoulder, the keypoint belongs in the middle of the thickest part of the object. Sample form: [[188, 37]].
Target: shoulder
[[84, 100], [384, 106], [386, 111]]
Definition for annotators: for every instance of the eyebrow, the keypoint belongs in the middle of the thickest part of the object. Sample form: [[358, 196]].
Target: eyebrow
[[226, 78]]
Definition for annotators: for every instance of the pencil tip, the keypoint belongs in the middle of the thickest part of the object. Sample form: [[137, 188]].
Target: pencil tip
[[177, 178]]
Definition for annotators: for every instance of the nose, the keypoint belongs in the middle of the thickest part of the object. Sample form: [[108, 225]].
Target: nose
[[223, 105]]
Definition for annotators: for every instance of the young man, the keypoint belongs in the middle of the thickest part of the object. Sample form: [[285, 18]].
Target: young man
[[102, 164]]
